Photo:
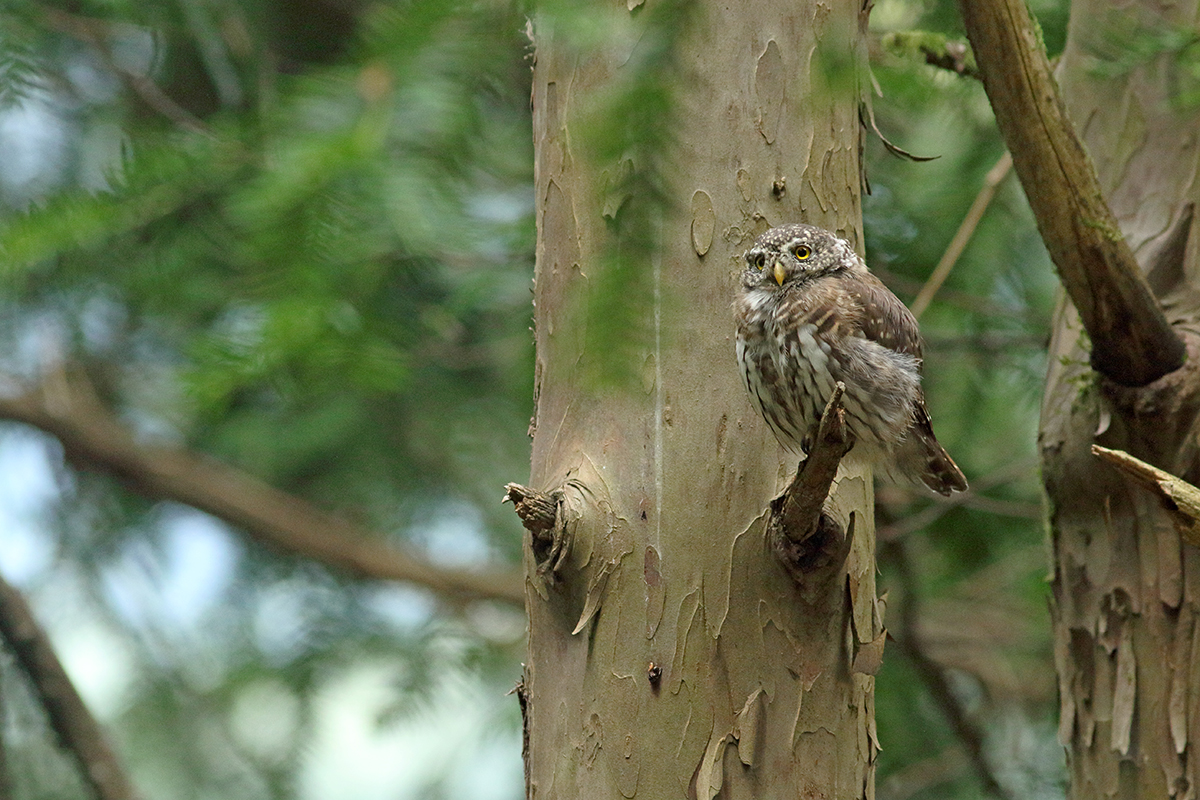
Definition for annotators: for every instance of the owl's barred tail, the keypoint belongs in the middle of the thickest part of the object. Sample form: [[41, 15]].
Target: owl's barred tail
[[941, 474], [931, 463], [922, 459]]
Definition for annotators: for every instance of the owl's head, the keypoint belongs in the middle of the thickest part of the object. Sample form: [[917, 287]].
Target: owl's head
[[796, 253]]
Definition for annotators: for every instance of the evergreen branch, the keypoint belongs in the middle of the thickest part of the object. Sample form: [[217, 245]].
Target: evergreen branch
[[1132, 342], [65, 406], [75, 727]]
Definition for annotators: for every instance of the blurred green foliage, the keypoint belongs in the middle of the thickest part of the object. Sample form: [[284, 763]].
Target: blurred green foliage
[[298, 237]]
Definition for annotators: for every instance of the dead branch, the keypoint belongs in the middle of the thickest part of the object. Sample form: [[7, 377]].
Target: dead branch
[[1179, 497], [1132, 342], [65, 406], [537, 510], [932, 674], [963, 235], [69, 718], [799, 527], [548, 535]]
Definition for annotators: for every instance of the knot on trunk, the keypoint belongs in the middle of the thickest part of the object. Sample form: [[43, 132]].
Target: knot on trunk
[[540, 513]]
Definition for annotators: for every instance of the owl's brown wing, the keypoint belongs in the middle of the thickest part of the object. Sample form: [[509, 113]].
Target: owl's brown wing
[[882, 317]]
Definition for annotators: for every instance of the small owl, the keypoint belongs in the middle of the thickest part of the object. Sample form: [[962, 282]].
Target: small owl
[[810, 314]]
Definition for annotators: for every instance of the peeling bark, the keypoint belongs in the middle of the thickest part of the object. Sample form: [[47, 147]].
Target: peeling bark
[[674, 657], [1126, 589]]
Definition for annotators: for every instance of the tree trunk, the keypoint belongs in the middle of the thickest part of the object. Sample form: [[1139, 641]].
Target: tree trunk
[[670, 653], [1126, 589]]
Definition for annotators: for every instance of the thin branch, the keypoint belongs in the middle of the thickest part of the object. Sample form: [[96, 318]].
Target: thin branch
[[935, 49], [96, 33], [932, 675], [1180, 498], [963, 235], [972, 498], [66, 408], [1132, 342], [76, 728]]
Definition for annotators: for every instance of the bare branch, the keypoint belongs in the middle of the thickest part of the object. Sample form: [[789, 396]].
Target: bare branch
[[1180, 498], [96, 33], [804, 500], [963, 235], [76, 728], [936, 49], [66, 408], [932, 674], [1132, 342], [972, 498]]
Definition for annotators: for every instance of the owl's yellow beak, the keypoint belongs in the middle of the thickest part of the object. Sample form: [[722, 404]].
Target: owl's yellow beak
[[779, 273]]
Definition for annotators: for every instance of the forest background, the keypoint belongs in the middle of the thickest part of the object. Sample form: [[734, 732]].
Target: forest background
[[290, 245]]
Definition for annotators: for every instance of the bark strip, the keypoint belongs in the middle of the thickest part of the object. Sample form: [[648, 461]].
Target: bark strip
[[1132, 342], [65, 406]]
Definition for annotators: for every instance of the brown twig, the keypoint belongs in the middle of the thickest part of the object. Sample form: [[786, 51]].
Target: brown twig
[[971, 498], [76, 728], [1180, 498], [962, 236], [96, 33], [932, 675], [66, 407], [1132, 342], [804, 536]]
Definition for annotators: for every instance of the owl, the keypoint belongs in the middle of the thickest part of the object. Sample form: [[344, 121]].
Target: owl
[[810, 314]]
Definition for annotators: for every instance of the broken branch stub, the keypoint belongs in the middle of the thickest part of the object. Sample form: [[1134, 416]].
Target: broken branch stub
[[1180, 498], [539, 513], [806, 538]]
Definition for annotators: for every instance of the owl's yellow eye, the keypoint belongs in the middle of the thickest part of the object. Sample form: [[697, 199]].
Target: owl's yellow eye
[[802, 251]]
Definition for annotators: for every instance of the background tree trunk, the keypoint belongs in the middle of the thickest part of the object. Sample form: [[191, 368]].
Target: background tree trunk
[[673, 656], [1125, 589]]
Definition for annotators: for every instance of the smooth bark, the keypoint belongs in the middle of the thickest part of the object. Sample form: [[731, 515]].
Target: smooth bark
[[671, 654]]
